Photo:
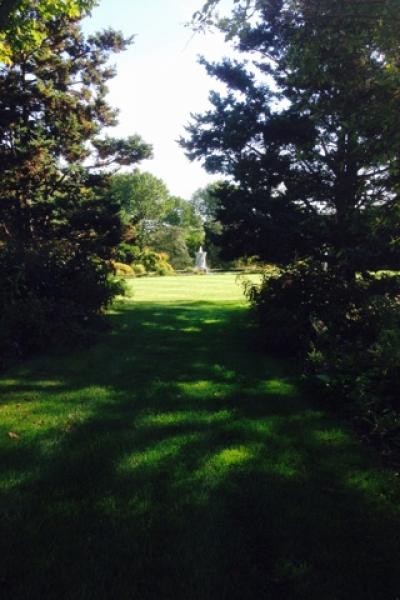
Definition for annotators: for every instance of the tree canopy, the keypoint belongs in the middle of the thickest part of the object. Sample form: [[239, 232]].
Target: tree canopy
[[155, 219], [307, 130], [205, 201], [143, 200], [24, 25], [58, 228], [53, 109]]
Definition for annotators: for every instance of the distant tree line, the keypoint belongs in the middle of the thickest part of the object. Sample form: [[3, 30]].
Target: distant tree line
[[156, 221]]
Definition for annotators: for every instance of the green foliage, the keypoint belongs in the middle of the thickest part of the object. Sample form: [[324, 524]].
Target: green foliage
[[182, 226], [138, 269], [143, 200], [165, 223], [121, 269], [194, 238], [127, 253], [172, 240], [307, 136], [289, 301], [360, 365], [25, 25], [52, 293], [182, 213], [306, 132], [153, 262], [205, 203], [57, 227], [254, 264], [143, 261], [347, 335], [164, 268]]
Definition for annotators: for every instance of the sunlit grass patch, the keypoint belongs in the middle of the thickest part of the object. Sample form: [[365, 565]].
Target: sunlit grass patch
[[225, 462], [191, 417], [215, 287], [224, 373], [38, 383], [10, 483], [332, 436], [308, 416], [278, 387], [206, 389], [154, 454], [191, 329], [212, 321], [232, 456]]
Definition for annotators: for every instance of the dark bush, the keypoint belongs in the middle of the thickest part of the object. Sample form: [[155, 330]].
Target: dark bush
[[294, 304], [47, 293], [360, 366], [347, 333], [127, 253]]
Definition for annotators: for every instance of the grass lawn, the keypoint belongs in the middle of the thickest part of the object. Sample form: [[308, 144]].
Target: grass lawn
[[171, 461]]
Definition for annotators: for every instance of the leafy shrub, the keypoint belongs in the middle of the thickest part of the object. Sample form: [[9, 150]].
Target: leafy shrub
[[289, 304], [361, 369], [54, 292], [248, 263], [138, 269], [347, 331], [149, 259], [156, 262], [127, 253], [171, 241], [121, 269], [164, 269]]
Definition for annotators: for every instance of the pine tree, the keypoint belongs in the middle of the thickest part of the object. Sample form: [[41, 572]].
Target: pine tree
[[307, 131], [57, 230]]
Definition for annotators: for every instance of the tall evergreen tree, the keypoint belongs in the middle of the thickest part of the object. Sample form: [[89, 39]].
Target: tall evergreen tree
[[308, 131], [52, 110], [56, 228]]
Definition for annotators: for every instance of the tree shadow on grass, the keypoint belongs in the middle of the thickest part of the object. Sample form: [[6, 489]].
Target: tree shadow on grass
[[172, 461]]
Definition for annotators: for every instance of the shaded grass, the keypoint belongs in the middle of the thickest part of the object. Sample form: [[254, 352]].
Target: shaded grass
[[172, 461]]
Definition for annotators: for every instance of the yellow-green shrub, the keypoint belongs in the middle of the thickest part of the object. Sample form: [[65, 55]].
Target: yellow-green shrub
[[138, 269], [164, 268], [156, 262], [121, 269]]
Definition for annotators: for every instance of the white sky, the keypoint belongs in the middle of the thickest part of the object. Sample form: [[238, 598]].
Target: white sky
[[159, 82]]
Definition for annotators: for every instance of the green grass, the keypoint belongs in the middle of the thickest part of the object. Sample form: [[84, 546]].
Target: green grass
[[172, 461]]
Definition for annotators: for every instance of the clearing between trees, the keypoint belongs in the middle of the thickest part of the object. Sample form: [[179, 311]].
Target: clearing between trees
[[171, 460]]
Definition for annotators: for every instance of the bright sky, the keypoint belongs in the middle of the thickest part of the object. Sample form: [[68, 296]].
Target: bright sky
[[159, 82]]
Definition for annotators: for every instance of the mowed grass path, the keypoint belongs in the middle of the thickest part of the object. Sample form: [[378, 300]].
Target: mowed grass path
[[172, 461]]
